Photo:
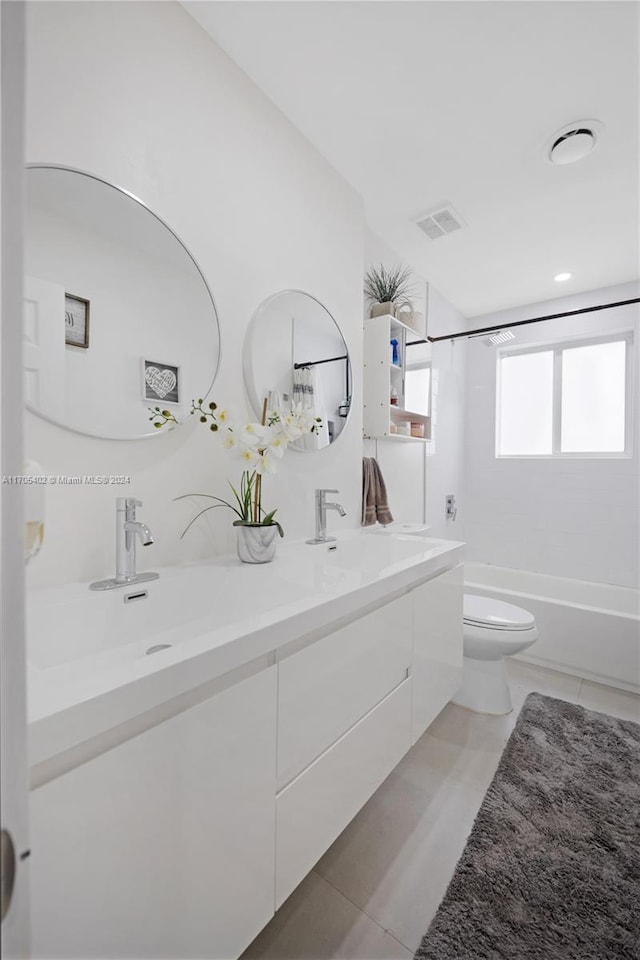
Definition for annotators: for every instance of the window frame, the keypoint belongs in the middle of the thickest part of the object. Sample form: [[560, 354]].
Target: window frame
[[557, 347]]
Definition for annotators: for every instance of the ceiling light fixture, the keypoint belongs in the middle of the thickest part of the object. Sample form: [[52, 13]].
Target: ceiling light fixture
[[562, 277], [573, 141]]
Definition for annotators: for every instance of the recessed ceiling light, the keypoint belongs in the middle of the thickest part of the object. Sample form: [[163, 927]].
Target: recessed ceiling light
[[573, 141], [561, 277]]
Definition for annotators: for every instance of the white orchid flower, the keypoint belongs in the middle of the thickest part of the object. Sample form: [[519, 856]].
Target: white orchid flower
[[224, 416], [251, 434], [250, 458], [266, 462], [304, 418], [230, 441], [289, 428], [276, 446]]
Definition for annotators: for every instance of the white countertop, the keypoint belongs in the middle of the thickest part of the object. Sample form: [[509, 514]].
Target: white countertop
[[88, 671]]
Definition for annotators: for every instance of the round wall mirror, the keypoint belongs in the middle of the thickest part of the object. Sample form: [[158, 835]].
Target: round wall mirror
[[295, 354], [118, 317]]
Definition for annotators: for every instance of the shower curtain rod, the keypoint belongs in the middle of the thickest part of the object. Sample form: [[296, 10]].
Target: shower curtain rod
[[520, 323], [315, 363]]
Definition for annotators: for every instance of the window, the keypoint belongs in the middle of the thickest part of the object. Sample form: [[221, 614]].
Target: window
[[565, 399]]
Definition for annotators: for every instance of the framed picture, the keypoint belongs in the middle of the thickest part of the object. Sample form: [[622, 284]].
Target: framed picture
[[161, 381], [76, 320]]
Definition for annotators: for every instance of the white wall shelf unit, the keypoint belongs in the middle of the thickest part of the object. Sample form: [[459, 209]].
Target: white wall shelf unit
[[401, 438], [383, 377]]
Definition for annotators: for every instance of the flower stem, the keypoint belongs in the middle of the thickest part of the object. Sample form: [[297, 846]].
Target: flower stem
[[257, 493]]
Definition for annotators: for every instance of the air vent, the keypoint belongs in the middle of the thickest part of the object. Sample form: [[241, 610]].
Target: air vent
[[573, 142], [441, 222]]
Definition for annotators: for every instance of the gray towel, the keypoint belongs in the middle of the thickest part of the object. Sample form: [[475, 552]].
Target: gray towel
[[368, 494], [383, 514], [374, 494]]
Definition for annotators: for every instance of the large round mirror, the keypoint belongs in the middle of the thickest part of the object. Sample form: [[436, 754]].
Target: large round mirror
[[295, 355], [118, 317]]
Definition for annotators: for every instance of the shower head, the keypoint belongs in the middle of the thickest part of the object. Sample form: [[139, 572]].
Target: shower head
[[495, 338]]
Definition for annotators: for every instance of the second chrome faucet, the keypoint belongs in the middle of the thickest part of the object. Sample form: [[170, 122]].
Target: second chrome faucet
[[321, 516]]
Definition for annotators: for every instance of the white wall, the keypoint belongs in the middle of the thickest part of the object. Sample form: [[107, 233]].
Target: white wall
[[138, 94], [13, 727], [445, 455], [568, 517]]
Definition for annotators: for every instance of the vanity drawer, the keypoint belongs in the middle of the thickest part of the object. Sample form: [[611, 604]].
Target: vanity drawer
[[328, 686], [313, 810]]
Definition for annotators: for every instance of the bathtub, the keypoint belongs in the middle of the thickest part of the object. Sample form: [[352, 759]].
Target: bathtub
[[591, 630]]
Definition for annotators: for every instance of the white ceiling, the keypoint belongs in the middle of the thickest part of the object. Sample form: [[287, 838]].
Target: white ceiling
[[421, 102]]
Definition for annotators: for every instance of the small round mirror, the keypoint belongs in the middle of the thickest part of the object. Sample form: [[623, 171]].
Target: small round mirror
[[118, 317], [295, 355]]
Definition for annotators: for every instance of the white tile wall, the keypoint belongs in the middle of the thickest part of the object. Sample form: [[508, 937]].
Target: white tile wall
[[571, 517]]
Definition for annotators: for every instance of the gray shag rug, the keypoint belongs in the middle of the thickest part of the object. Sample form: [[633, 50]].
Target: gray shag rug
[[551, 869]]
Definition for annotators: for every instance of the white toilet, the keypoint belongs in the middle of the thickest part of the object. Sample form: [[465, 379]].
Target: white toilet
[[493, 630]]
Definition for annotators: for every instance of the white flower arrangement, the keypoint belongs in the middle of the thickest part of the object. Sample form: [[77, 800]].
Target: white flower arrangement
[[259, 446]]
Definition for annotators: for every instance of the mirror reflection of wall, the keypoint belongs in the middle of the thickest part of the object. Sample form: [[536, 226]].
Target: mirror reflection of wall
[[117, 315], [417, 378], [295, 353]]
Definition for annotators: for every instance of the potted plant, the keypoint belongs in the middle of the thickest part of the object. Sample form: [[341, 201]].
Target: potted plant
[[386, 289], [259, 446], [257, 530]]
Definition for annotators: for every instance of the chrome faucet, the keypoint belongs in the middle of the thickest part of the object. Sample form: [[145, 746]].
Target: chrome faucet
[[321, 516], [127, 529]]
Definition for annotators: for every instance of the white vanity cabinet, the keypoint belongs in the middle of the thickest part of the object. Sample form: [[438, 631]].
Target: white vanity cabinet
[[436, 672], [163, 846], [176, 829]]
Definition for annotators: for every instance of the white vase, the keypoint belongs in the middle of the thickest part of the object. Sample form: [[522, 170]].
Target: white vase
[[383, 309], [257, 544]]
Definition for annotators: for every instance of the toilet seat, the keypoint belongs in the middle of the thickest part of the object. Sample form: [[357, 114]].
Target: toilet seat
[[492, 614]]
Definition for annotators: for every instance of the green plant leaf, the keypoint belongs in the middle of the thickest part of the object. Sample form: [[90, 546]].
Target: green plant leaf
[[382, 285], [219, 503], [213, 506]]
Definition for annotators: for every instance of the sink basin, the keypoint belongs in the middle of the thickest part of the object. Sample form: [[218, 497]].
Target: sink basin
[[69, 623], [128, 650], [353, 561]]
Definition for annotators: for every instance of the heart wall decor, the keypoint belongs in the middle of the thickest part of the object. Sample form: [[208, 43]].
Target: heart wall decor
[[161, 381]]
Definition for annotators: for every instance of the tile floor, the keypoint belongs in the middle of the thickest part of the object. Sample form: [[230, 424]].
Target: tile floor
[[373, 894]]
